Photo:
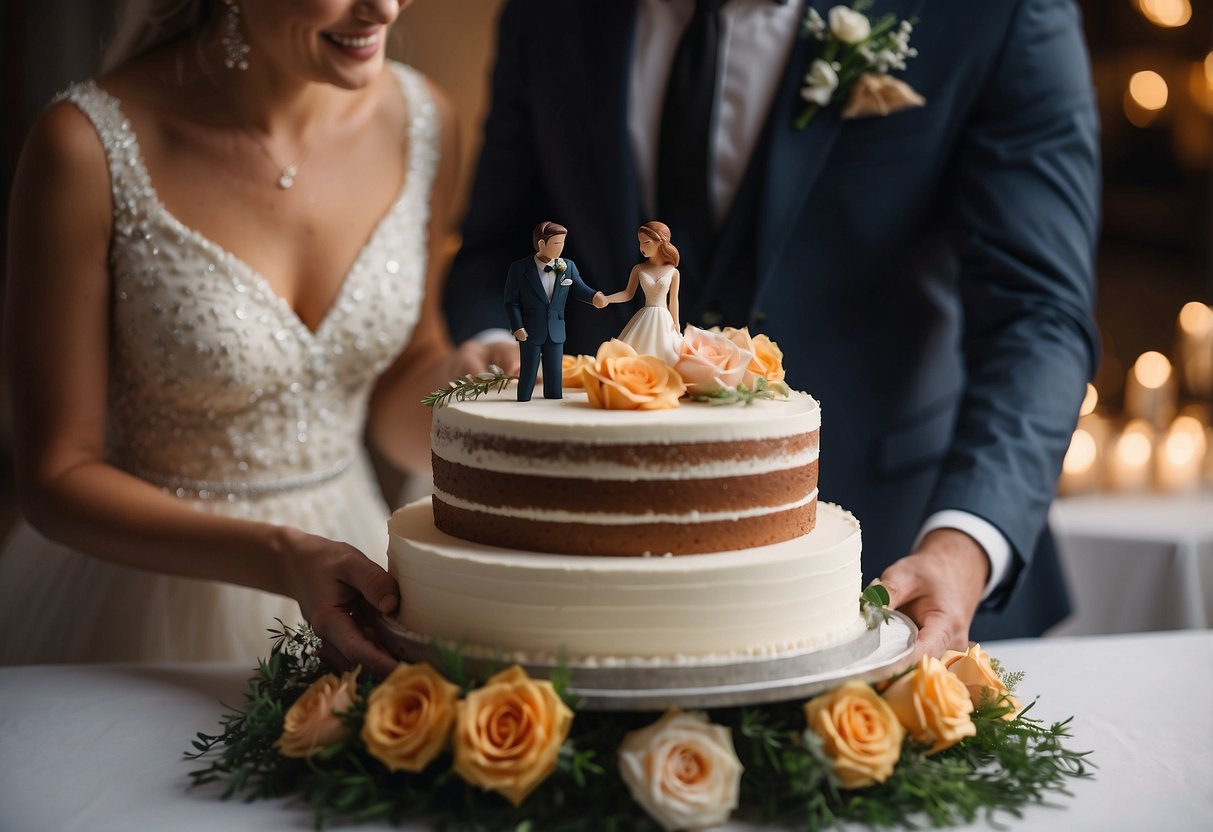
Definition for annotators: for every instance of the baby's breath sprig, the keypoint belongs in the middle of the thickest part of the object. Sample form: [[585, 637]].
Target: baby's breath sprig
[[471, 386], [742, 394]]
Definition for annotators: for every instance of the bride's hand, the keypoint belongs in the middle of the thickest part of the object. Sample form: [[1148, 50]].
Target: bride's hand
[[474, 357], [328, 578]]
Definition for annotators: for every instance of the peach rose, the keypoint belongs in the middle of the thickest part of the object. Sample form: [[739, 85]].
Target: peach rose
[[933, 705], [619, 379], [507, 734], [682, 770], [409, 717], [570, 370], [314, 723], [767, 362], [709, 361], [974, 668], [859, 731]]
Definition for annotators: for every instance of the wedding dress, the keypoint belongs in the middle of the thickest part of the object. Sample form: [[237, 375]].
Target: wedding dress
[[651, 330], [220, 395]]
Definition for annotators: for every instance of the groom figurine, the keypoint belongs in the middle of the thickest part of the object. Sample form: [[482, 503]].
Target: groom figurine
[[536, 289]]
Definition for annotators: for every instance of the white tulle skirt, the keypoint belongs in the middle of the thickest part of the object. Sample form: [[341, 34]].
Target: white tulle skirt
[[651, 332]]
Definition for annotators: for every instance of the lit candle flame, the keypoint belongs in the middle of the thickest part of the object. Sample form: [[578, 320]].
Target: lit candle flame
[[1152, 369], [1081, 455], [1089, 401], [1196, 319], [1166, 14]]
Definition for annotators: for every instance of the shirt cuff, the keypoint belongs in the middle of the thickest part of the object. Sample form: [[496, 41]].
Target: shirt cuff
[[987, 535], [494, 336]]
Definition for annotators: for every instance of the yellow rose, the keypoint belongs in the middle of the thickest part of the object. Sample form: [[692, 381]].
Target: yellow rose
[[711, 361], [860, 733], [507, 734], [683, 770], [974, 669], [313, 723], [619, 379], [933, 705], [408, 717], [570, 370]]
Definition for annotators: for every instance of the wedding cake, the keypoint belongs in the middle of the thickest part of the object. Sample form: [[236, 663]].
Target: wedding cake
[[691, 533]]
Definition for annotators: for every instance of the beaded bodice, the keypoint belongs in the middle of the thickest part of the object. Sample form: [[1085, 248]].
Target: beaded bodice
[[216, 388]]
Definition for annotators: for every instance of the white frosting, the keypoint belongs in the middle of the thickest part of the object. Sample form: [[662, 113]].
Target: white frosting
[[574, 420], [556, 466], [802, 592], [603, 518]]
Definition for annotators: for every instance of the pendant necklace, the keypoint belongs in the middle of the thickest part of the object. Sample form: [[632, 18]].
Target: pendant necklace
[[288, 172]]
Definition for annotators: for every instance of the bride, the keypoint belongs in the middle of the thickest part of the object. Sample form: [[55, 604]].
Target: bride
[[222, 276], [654, 329]]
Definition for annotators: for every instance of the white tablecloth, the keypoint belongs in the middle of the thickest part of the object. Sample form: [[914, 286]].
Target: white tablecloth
[[97, 748], [1136, 562]]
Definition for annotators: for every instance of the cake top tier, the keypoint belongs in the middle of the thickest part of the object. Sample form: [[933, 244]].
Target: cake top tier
[[574, 419]]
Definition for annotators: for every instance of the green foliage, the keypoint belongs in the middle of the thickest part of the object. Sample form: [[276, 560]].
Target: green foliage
[[788, 778], [741, 394], [469, 387]]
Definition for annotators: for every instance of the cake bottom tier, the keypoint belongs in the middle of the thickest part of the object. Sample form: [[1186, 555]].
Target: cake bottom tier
[[793, 595]]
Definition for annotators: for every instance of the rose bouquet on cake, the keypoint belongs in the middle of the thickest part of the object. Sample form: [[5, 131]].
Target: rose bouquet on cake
[[946, 740]]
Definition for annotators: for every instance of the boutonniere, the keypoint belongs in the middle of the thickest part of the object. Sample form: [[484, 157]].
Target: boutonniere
[[855, 62], [559, 266]]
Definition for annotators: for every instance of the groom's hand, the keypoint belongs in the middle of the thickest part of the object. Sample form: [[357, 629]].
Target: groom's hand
[[520, 334], [939, 587]]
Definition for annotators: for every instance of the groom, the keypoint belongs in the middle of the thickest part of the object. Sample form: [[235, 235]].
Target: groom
[[536, 289]]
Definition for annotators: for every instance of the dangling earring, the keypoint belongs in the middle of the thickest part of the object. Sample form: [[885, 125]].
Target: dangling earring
[[235, 50]]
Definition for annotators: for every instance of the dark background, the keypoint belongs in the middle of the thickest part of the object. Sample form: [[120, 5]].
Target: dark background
[[1156, 249]]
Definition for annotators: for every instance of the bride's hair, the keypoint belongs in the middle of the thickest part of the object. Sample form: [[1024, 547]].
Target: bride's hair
[[145, 24], [659, 233]]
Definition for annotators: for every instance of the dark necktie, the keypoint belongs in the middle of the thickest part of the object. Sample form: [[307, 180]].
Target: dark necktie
[[684, 151]]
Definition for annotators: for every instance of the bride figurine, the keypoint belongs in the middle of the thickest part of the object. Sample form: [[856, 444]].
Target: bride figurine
[[654, 329]]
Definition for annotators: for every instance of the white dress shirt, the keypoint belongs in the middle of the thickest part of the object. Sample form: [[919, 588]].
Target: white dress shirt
[[756, 39], [548, 278]]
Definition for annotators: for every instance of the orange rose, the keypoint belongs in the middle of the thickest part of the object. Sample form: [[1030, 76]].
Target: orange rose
[[313, 723], [570, 370], [507, 734], [683, 770], [933, 705], [974, 668], [767, 361], [860, 733], [710, 361], [619, 379], [408, 717]]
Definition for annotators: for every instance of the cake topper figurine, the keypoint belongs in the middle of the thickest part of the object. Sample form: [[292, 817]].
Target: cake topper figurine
[[536, 289], [654, 329]]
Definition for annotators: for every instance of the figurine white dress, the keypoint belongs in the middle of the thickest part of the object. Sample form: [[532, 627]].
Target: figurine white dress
[[652, 330], [220, 395]]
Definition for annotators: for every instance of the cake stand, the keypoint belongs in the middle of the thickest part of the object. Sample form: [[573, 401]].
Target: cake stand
[[881, 651]]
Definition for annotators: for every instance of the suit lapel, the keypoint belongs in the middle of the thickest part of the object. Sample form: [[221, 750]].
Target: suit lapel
[[607, 42]]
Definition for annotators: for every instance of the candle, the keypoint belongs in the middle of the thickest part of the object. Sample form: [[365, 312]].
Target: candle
[[1181, 455], [1081, 470], [1194, 349], [1150, 390], [1130, 458]]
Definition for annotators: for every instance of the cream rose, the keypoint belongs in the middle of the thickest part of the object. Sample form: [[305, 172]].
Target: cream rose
[[619, 379], [409, 717], [571, 367], [683, 770], [933, 705], [848, 25], [859, 732], [974, 669], [507, 734], [314, 723], [710, 361], [820, 83]]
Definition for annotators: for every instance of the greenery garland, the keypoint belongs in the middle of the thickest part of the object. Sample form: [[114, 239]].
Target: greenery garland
[[789, 778]]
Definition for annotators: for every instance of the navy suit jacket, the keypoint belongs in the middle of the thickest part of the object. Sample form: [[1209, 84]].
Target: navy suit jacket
[[527, 305], [928, 274]]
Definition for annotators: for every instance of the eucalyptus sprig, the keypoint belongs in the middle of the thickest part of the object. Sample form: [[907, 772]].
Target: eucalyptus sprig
[[874, 603], [742, 394], [471, 386]]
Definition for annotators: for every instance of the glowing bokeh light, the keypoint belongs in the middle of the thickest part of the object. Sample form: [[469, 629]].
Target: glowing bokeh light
[[1152, 369], [1148, 90], [1089, 401], [1081, 455], [1196, 319], [1167, 14]]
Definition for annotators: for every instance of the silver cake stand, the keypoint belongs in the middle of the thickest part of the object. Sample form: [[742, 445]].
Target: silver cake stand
[[879, 652]]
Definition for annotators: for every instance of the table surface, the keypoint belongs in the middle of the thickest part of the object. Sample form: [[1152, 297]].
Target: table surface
[[1180, 518], [100, 747]]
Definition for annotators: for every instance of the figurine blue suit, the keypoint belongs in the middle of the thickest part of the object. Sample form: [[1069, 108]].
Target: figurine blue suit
[[540, 319]]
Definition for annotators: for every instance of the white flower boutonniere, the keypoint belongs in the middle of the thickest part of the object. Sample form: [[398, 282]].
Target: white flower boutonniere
[[855, 62], [560, 266]]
